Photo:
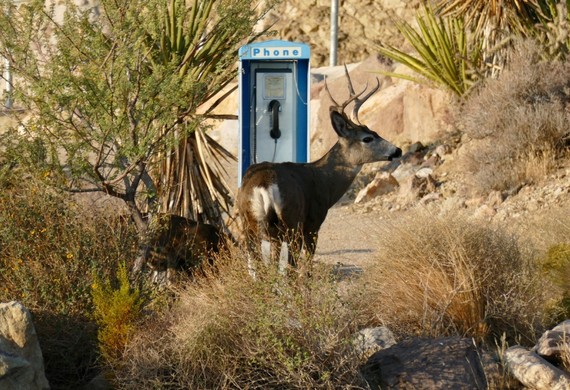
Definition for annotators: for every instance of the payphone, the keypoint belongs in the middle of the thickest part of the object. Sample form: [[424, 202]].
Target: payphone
[[273, 103]]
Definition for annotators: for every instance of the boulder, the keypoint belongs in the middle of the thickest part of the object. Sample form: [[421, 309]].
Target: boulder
[[322, 135], [429, 364], [21, 360], [401, 111], [416, 187], [553, 343], [535, 372], [383, 183]]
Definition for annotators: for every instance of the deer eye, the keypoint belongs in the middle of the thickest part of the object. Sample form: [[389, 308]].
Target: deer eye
[[367, 139]]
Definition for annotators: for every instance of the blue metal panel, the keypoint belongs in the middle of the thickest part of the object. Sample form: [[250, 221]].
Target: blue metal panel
[[303, 97], [273, 56], [244, 121]]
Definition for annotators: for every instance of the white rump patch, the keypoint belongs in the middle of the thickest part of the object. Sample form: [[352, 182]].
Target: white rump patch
[[264, 199]]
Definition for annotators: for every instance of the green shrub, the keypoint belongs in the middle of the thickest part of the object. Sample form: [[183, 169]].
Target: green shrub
[[117, 309]]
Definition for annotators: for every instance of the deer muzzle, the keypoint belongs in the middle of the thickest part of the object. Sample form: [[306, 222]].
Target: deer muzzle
[[396, 153]]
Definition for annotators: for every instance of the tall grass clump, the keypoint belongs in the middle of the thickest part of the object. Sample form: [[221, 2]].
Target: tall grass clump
[[48, 253], [231, 331], [518, 124], [440, 276]]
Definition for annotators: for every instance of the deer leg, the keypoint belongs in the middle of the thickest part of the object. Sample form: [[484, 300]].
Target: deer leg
[[253, 248], [171, 265], [310, 245], [267, 249], [295, 247], [283, 257]]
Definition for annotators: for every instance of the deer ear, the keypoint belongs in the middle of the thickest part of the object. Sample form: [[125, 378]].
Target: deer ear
[[339, 124]]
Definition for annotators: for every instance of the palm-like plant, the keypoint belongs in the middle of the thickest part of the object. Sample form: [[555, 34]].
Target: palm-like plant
[[495, 22], [461, 41], [201, 40], [553, 31], [446, 53]]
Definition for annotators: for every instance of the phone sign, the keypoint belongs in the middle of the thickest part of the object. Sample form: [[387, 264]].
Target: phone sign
[[276, 52]]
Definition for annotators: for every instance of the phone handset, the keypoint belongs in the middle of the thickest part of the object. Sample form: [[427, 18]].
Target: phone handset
[[274, 107]]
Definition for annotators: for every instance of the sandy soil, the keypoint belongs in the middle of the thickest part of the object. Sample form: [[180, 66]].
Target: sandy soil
[[348, 237]]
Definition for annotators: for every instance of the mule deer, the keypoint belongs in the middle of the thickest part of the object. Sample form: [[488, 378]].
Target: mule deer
[[280, 202], [177, 243]]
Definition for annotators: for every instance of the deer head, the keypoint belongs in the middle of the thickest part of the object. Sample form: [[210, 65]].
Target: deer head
[[360, 145]]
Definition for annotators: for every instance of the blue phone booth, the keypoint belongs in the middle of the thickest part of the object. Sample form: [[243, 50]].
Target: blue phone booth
[[274, 82]]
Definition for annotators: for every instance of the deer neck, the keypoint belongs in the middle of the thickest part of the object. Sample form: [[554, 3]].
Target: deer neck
[[334, 174]]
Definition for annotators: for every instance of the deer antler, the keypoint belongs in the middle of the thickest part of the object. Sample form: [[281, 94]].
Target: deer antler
[[354, 97]]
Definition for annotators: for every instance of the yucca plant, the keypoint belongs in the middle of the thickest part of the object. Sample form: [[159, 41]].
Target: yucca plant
[[480, 32], [447, 54], [497, 22], [201, 40], [553, 31], [502, 15]]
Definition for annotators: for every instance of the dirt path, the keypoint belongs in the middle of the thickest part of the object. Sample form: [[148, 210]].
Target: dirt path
[[349, 237]]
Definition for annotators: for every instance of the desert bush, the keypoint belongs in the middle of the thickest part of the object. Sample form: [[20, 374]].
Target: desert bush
[[556, 268], [438, 276], [230, 331], [548, 232], [518, 124], [117, 309], [48, 253]]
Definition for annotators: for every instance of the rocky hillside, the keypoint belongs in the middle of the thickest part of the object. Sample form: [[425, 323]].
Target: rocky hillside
[[362, 24]]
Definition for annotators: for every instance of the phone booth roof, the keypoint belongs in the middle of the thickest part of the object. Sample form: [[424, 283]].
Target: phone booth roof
[[275, 50]]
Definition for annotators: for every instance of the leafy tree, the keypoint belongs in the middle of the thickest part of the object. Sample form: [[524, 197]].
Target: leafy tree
[[111, 96]]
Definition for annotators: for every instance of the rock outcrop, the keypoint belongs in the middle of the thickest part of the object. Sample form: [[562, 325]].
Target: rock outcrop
[[363, 24], [21, 360], [430, 364]]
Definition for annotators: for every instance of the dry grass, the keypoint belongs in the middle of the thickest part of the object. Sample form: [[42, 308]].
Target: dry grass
[[441, 276], [518, 123], [544, 228], [548, 232], [229, 331]]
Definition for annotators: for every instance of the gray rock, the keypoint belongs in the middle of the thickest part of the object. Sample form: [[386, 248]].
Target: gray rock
[[535, 372], [371, 340], [21, 360], [554, 342], [447, 363], [382, 184]]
